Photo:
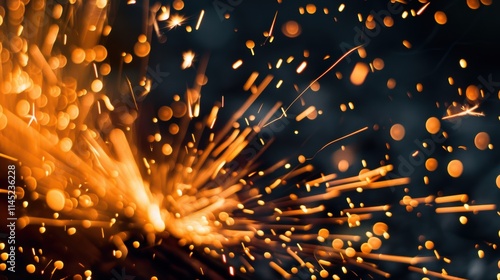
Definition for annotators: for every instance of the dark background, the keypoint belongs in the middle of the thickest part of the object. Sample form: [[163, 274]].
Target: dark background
[[434, 56]]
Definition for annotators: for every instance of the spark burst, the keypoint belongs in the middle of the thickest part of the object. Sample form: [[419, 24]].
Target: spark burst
[[200, 185]]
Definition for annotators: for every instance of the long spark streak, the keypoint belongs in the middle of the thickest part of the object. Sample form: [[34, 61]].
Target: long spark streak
[[433, 273], [337, 140], [271, 29], [313, 82], [466, 208], [467, 111]]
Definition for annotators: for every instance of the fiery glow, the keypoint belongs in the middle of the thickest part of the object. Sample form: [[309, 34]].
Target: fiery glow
[[81, 168], [188, 58], [175, 20]]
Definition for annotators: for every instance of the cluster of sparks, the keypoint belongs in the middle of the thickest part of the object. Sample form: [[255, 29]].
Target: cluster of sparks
[[60, 128]]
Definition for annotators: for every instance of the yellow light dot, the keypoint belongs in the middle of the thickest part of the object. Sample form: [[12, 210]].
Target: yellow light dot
[[101, 4], [397, 132], [73, 111], [57, 11], [482, 140], [473, 4], [89, 55], [463, 63], [391, 83], [78, 56], [343, 165], [359, 73], [65, 144], [142, 46], [375, 242], [165, 113], [291, 29], [30, 268], [167, 149], [86, 223], [366, 248], [311, 8], [105, 69], [429, 245], [472, 93], [362, 52], [36, 92], [178, 5], [323, 273], [315, 86], [250, 44], [179, 109], [100, 53], [173, 129], [378, 64], [440, 17], [54, 63], [350, 252], [455, 168], [388, 21], [71, 231], [407, 44], [23, 107], [58, 265], [380, 228], [337, 243], [55, 199], [463, 220], [301, 159], [431, 164], [480, 254], [433, 125], [498, 181], [96, 85], [127, 58], [323, 233], [370, 23]]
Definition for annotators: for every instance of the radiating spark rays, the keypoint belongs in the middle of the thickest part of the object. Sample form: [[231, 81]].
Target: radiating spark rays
[[466, 112], [32, 116], [194, 192], [175, 21]]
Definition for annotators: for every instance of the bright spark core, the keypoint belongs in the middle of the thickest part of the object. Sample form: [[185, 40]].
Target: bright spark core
[[175, 20], [188, 58]]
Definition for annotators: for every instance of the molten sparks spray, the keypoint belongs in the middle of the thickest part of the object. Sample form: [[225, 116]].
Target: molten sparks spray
[[80, 170]]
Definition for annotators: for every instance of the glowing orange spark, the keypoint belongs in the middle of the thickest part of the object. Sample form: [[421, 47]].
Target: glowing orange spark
[[313, 82]]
